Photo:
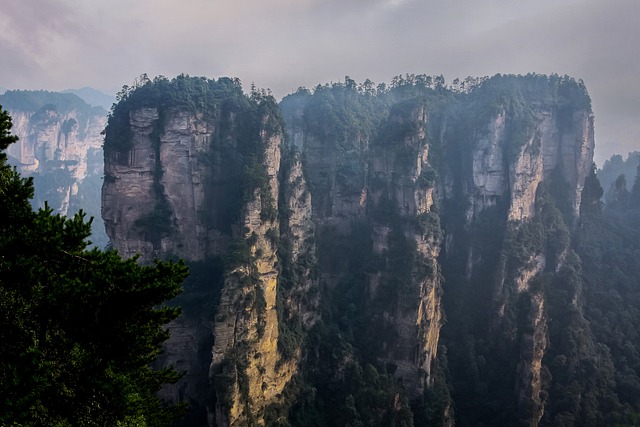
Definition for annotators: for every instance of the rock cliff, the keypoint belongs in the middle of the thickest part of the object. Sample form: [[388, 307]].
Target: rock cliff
[[203, 184], [60, 146], [501, 170], [399, 179], [372, 181], [320, 232], [519, 169]]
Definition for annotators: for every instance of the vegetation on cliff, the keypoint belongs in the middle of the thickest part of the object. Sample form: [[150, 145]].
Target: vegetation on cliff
[[540, 312], [344, 379], [617, 175], [78, 327]]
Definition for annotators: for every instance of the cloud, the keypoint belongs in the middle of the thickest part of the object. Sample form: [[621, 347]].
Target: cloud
[[283, 44]]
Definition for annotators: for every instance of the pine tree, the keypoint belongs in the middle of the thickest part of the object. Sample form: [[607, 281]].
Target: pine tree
[[78, 327], [634, 198]]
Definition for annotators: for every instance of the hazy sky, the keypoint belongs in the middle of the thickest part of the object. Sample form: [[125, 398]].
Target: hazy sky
[[284, 44]]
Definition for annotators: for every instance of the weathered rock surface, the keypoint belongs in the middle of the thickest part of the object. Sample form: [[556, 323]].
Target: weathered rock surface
[[353, 208], [521, 157], [60, 146], [171, 190], [548, 147], [395, 176]]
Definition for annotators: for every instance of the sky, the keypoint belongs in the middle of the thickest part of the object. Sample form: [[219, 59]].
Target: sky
[[285, 44]]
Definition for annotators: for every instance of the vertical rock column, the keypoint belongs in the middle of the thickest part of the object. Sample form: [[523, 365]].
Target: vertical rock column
[[245, 362], [400, 178]]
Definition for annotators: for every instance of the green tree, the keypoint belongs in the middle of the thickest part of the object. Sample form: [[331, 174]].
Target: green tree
[[78, 328]]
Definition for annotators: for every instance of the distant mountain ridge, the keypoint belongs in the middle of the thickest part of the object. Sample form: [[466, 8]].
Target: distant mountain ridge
[[93, 97], [32, 100], [60, 146]]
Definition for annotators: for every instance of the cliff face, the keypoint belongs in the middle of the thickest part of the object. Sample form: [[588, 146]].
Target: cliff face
[[551, 152], [547, 147], [205, 186], [399, 180], [259, 373], [60, 146], [521, 184], [375, 184], [319, 245], [172, 185]]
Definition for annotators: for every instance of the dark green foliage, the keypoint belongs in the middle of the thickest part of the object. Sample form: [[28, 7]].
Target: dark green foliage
[[589, 284], [343, 120], [340, 385], [400, 123], [591, 202], [616, 166], [210, 97], [430, 409], [488, 318], [67, 127], [238, 254], [362, 396], [607, 243], [79, 327], [202, 290]]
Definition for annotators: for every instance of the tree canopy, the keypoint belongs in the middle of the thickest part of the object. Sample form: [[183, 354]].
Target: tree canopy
[[78, 327]]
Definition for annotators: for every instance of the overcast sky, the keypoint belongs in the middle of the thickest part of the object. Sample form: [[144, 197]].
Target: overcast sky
[[284, 44]]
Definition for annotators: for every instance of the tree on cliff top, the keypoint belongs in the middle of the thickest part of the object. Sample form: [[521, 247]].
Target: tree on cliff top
[[78, 327]]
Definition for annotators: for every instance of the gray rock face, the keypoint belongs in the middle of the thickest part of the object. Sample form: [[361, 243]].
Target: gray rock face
[[171, 193], [416, 318], [352, 179], [548, 147], [61, 148], [183, 177], [557, 148], [127, 194]]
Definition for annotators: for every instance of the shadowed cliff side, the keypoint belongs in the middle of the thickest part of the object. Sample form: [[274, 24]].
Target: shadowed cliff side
[[517, 151]]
